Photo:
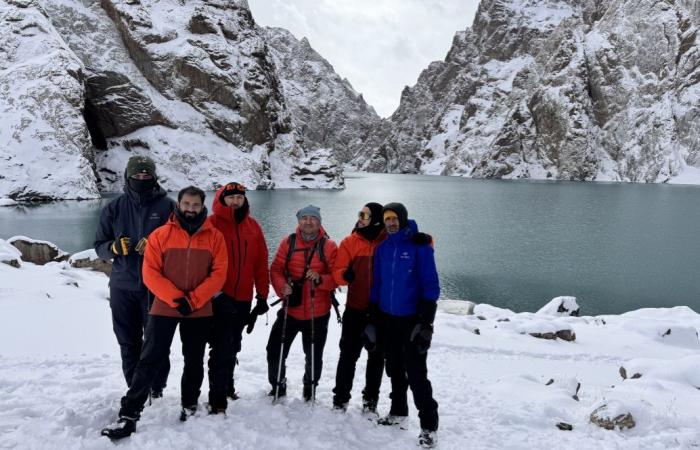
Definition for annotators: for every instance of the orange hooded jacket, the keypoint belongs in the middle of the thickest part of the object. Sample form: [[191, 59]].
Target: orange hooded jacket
[[178, 265], [357, 252]]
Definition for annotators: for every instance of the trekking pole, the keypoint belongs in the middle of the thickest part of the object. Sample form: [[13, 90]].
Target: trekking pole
[[313, 339], [285, 306]]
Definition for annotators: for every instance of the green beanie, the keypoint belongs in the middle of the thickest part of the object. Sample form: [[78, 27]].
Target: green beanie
[[140, 164]]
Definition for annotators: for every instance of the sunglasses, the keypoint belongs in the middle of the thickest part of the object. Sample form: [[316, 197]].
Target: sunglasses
[[235, 187], [364, 215]]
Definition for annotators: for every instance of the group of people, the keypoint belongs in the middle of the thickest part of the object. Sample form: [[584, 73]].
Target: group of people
[[173, 264]]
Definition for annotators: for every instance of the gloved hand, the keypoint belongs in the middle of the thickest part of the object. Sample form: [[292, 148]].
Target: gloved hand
[[421, 336], [349, 275], [259, 309], [120, 246], [421, 239], [183, 306], [141, 246], [369, 338]]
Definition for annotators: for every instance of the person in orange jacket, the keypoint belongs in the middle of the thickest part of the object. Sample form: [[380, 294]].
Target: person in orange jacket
[[184, 266], [247, 267], [353, 267], [301, 276]]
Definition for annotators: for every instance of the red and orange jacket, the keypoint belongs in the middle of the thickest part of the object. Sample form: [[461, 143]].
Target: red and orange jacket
[[356, 251], [247, 253], [278, 275], [178, 265]]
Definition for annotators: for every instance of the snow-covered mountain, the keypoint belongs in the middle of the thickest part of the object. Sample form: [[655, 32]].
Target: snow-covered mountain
[[191, 84], [325, 108], [560, 89]]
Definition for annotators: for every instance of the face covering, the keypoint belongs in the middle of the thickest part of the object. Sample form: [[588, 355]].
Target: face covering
[[142, 186]]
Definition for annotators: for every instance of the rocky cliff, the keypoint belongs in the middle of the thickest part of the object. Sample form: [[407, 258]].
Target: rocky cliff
[[554, 89], [325, 108], [191, 84]]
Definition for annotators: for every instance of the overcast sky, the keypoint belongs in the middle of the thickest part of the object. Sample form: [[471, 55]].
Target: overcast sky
[[380, 46]]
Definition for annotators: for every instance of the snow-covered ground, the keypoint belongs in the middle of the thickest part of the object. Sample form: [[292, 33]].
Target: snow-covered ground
[[60, 379]]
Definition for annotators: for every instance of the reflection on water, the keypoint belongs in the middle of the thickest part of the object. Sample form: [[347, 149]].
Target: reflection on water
[[616, 247]]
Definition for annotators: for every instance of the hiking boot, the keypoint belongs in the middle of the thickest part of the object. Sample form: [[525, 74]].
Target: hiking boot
[[369, 406], [281, 392], [427, 439], [231, 391], [394, 421], [157, 393], [120, 429], [211, 410], [186, 412], [309, 391], [340, 406]]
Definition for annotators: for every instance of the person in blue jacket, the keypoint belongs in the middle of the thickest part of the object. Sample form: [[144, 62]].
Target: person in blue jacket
[[121, 236], [403, 300]]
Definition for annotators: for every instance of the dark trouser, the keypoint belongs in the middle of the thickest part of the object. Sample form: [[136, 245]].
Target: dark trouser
[[227, 330], [295, 326], [354, 323], [407, 368], [129, 319], [159, 335]]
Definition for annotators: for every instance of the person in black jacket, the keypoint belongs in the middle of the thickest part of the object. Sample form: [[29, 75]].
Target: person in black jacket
[[122, 233]]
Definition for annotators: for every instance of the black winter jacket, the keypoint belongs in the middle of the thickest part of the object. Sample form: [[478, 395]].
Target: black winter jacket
[[134, 215]]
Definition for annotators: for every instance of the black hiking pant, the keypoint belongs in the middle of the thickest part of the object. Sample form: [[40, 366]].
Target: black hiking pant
[[295, 326], [354, 323], [407, 368], [159, 336], [129, 319], [225, 340]]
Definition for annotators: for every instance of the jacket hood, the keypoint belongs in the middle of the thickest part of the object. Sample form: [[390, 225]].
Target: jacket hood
[[226, 212]]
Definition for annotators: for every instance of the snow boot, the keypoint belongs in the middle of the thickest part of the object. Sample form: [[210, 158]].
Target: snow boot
[[394, 421], [120, 429], [427, 439], [231, 390], [211, 410], [308, 391], [186, 412], [340, 406], [156, 394], [282, 390], [369, 406]]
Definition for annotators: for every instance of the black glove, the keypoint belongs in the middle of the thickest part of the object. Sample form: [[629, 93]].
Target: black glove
[[349, 275], [120, 246], [259, 309], [369, 338], [183, 306], [421, 239], [421, 336]]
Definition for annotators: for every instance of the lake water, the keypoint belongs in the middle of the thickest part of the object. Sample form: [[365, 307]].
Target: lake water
[[513, 244]]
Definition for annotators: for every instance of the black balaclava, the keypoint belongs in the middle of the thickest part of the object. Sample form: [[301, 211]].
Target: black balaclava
[[191, 225], [234, 188], [376, 224], [400, 211]]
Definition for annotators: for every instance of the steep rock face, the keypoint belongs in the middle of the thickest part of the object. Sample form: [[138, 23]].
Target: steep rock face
[[325, 108], [45, 150], [575, 90], [188, 83]]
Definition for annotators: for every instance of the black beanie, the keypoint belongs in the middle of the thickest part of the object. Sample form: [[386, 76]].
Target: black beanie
[[400, 211], [232, 188], [140, 164], [376, 210]]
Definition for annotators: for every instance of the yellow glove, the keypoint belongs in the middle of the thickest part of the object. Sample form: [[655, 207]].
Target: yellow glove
[[121, 245], [141, 246]]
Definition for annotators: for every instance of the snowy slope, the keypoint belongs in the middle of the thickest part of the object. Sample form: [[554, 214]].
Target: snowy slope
[[604, 90], [89, 83], [60, 379]]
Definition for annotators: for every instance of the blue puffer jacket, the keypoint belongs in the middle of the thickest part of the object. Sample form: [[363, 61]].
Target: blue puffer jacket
[[133, 215], [404, 273]]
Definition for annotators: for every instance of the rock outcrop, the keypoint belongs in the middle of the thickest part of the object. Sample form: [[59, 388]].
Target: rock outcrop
[[554, 89]]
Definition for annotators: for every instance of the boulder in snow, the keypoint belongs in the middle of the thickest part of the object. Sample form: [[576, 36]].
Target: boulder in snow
[[9, 255], [610, 417], [88, 259], [37, 252], [457, 307], [561, 306]]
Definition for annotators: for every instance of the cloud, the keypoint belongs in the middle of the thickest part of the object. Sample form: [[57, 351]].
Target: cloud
[[380, 46]]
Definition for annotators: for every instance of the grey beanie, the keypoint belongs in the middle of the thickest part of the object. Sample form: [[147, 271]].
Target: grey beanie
[[309, 210]]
